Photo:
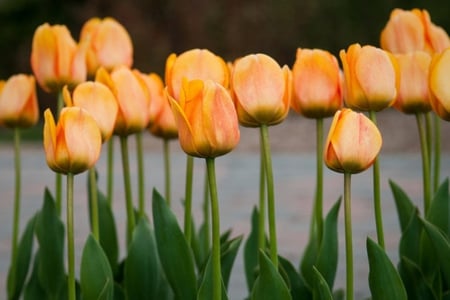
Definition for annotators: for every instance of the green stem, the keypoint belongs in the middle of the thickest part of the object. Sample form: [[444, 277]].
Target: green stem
[[215, 217], [429, 135], [110, 171], [318, 204], [70, 239], [141, 175], [58, 179], [437, 152], [188, 198], [348, 235], [425, 163], [127, 182], [94, 203], [166, 150], [377, 193], [264, 130], [262, 202], [206, 216]]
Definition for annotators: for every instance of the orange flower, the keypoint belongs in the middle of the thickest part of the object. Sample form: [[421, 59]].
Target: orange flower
[[413, 96], [109, 44], [97, 99], [56, 59], [262, 90], [317, 83], [18, 102], [370, 78], [353, 142], [206, 118], [73, 145], [439, 84], [132, 97], [194, 64]]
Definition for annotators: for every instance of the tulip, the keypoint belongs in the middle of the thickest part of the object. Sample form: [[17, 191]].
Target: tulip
[[97, 99], [18, 102], [439, 84], [413, 96], [370, 78], [353, 142], [206, 119], [262, 90], [317, 84], [56, 59], [109, 44]]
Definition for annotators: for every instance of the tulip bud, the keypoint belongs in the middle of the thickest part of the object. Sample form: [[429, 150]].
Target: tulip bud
[[18, 102], [73, 145], [353, 142], [439, 84]]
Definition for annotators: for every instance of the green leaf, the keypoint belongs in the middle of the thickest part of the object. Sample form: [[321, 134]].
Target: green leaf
[[298, 288], [50, 236], [309, 259], [174, 253], [33, 289], [321, 289], [96, 276], [416, 286], [384, 280], [205, 291], [251, 251], [141, 265], [199, 245], [228, 255], [439, 212], [405, 206], [327, 259], [24, 254], [269, 285], [410, 240]]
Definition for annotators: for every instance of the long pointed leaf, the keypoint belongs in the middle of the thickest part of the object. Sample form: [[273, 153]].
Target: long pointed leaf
[[415, 283], [228, 255], [439, 212], [251, 251], [321, 289], [405, 206], [410, 240], [298, 289], [205, 291]]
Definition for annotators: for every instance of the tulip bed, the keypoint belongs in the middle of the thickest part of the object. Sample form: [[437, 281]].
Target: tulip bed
[[203, 102]]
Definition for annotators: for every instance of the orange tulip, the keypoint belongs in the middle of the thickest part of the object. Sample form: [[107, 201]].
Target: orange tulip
[[413, 96], [262, 90], [132, 97], [56, 59], [370, 78], [194, 64], [109, 44], [73, 145], [317, 84], [353, 142], [439, 84], [97, 99], [18, 102], [206, 119]]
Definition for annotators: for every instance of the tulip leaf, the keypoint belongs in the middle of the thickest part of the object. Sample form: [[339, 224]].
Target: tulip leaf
[[50, 235], [228, 255], [309, 259], [384, 280], [321, 290], [22, 264], [251, 251], [405, 206], [141, 278], [205, 291], [96, 278], [410, 240], [199, 244], [416, 286], [298, 287], [174, 253], [33, 289], [439, 212], [269, 284]]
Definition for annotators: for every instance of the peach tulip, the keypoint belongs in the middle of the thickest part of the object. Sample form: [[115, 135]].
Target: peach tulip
[[353, 142], [439, 83], [206, 119], [97, 99], [73, 145], [18, 102], [109, 44], [370, 78], [317, 84], [262, 90], [56, 59]]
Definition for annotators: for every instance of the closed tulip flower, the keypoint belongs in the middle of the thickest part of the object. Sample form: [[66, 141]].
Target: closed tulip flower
[[109, 44], [370, 78], [18, 102], [439, 84], [353, 142], [413, 96], [56, 59], [317, 84], [73, 145], [97, 99], [262, 90], [206, 118]]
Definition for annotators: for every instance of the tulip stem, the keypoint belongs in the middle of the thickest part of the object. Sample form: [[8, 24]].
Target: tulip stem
[[166, 151], [94, 203], [425, 162], [58, 179], [437, 152], [429, 134], [188, 198], [110, 171], [70, 238], [127, 183], [141, 175], [206, 215], [262, 202], [264, 130], [377, 193], [215, 217], [348, 235], [318, 204]]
